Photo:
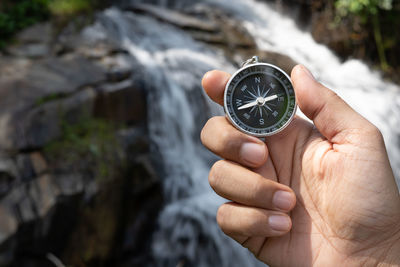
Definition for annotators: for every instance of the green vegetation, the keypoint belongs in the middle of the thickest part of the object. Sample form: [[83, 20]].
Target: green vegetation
[[88, 145], [16, 15], [70, 7], [48, 98], [362, 8], [368, 12]]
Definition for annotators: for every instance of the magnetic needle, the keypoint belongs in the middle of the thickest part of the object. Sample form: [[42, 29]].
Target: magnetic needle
[[259, 99]]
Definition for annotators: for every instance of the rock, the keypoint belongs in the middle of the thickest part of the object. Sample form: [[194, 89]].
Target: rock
[[90, 42], [29, 50], [8, 223], [25, 168], [6, 181], [174, 17], [121, 102], [25, 203], [22, 98], [42, 124], [38, 162], [33, 42], [134, 141], [118, 74], [38, 33], [8, 174], [45, 80], [70, 211]]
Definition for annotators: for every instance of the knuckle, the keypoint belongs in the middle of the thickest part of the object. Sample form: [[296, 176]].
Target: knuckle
[[215, 173], [225, 137], [375, 132], [206, 129], [222, 217], [260, 188]]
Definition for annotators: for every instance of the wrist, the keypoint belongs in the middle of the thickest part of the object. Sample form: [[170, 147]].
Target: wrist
[[392, 253], [384, 254]]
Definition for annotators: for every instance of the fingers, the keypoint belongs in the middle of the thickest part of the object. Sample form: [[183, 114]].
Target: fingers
[[214, 84], [219, 136], [331, 115], [239, 220], [241, 185]]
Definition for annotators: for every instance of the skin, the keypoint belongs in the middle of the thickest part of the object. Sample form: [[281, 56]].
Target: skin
[[341, 206]]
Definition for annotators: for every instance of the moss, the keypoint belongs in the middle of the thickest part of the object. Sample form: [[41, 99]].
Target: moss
[[89, 145], [70, 7], [17, 15], [48, 98]]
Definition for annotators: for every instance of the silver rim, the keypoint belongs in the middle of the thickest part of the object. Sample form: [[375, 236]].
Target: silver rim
[[248, 132]]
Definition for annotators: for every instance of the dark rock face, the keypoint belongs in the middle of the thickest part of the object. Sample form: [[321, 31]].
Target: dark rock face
[[60, 197]]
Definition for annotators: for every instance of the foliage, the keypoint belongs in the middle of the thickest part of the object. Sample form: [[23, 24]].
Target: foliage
[[48, 98], [18, 15], [362, 7], [88, 145], [70, 7], [368, 11]]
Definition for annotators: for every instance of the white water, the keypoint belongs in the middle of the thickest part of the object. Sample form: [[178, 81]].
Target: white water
[[170, 64]]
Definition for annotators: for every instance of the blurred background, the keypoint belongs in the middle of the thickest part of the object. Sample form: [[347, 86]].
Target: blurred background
[[101, 108]]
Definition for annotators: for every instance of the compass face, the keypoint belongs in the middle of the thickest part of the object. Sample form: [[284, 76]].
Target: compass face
[[259, 100]]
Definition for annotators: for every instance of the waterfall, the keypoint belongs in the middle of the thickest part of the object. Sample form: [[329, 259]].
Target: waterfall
[[170, 63]]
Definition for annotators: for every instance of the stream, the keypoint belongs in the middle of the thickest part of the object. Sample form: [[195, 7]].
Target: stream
[[169, 63]]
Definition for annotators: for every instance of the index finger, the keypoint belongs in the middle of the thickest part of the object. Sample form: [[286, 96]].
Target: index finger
[[214, 83]]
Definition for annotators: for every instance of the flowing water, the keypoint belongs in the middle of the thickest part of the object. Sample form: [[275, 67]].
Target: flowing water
[[169, 63]]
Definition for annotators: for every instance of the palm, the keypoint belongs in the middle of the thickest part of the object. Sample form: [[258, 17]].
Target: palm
[[348, 204], [330, 219]]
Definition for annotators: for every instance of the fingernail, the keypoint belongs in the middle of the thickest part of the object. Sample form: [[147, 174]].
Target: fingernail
[[252, 153], [306, 71], [283, 200], [279, 223]]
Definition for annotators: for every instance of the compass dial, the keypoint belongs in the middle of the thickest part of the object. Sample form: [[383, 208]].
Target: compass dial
[[259, 100]]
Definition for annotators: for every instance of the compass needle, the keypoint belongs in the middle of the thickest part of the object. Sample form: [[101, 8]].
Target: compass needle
[[259, 99]]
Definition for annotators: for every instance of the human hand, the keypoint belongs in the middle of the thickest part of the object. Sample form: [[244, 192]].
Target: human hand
[[348, 205]]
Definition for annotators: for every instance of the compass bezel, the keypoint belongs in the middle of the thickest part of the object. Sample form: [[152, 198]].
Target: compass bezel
[[264, 133]]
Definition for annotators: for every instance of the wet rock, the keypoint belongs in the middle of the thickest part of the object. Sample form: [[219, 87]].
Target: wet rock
[[134, 140], [38, 162], [173, 17], [118, 74], [25, 168], [33, 42], [30, 50], [8, 166], [70, 210], [38, 33], [8, 224], [90, 42], [25, 203], [6, 182], [121, 102], [45, 80], [37, 127]]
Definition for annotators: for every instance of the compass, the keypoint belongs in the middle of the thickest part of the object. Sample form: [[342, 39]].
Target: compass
[[259, 99]]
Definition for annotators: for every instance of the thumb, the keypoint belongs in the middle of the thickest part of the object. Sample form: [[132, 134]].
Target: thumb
[[330, 114]]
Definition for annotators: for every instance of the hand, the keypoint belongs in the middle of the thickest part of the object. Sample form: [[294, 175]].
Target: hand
[[348, 205]]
